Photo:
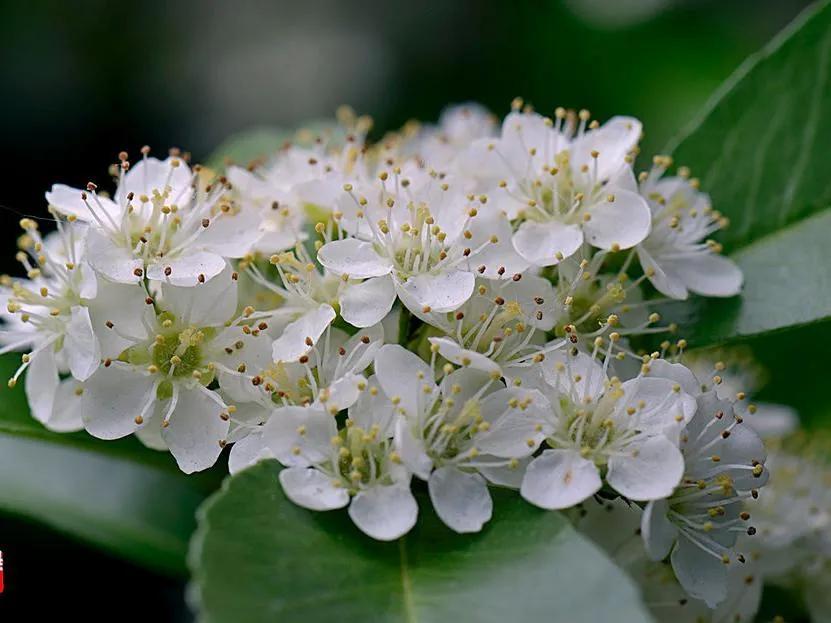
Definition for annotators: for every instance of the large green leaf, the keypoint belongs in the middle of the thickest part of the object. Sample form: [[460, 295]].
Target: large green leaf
[[257, 557], [760, 149], [116, 495]]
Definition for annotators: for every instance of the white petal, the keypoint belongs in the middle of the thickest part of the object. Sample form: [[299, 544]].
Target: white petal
[[662, 276], [384, 512], [232, 235], [659, 408], [299, 435], [66, 410], [411, 449], [68, 202], [442, 292], [624, 222], [710, 275], [312, 489], [359, 352], [647, 471], [702, 575], [41, 384], [404, 375], [659, 534], [125, 307], [343, 393], [540, 243], [373, 410], [112, 399], [506, 476], [495, 256], [559, 479], [80, 344], [612, 141], [196, 431], [111, 260], [514, 432], [186, 268], [454, 353], [353, 257], [577, 375], [247, 452], [149, 174], [678, 372], [365, 304], [461, 500], [150, 435], [291, 345], [204, 304]]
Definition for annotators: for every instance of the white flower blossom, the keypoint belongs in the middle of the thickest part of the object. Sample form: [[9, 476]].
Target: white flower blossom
[[161, 224], [699, 524], [677, 256]]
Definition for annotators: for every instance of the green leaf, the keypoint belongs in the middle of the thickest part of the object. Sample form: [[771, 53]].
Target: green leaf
[[258, 557], [117, 495], [760, 149]]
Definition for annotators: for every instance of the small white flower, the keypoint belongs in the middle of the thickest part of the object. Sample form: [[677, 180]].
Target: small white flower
[[48, 314], [437, 431], [628, 430], [419, 237], [699, 524], [161, 380], [677, 256], [159, 225], [565, 185], [309, 364], [329, 469]]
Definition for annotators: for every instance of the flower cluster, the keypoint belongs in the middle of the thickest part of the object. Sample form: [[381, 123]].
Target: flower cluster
[[470, 305]]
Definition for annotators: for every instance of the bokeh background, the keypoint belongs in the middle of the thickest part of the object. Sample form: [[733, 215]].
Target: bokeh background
[[80, 81]]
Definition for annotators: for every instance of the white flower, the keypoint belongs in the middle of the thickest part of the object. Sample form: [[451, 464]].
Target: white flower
[[419, 237], [500, 329], [699, 524], [437, 431], [161, 380], [566, 185], [626, 432], [357, 466], [159, 225], [444, 145], [309, 364], [677, 256], [48, 314]]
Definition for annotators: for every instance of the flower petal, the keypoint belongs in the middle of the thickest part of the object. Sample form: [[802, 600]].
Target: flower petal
[[187, 269], [540, 243], [68, 201], [292, 343], [622, 223], [403, 376], [312, 489], [559, 479], [710, 275], [112, 399], [299, 435], [196, 433], [647, 471], [441, 292], [702, 575], [662, 276], [80, 344], [353, 257], [461, 500], [42, 383], [126, 308], [248, 451], [658, 532], [111, 260], [365, 304], [454, 353], [204, 304], [384, 512], [149, 174], [612, 141]]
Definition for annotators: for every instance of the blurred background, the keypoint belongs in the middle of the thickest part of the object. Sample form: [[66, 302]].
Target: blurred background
[[83, 80]]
